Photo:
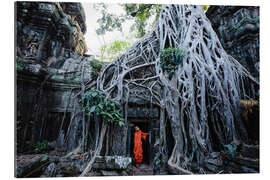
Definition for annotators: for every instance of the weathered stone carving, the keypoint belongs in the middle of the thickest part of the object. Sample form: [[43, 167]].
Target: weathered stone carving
[[46, 31], [238, 30], [50, 45]]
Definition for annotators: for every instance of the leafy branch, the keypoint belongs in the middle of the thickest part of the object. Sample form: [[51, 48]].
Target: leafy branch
[[96, 101], [41, 147], [114, 49], [96, 68]]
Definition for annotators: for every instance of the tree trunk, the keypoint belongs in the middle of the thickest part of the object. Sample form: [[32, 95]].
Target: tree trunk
[[204, 90]]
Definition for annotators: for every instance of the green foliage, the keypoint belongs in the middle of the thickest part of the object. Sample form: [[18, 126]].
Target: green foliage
[[205, 7], [19, 63], [96, 101], [103, 49], [118, 46], [142, 13], [171, 58], [96, 68], [41, 147], [113, 50], [231, 149], [108, 21]]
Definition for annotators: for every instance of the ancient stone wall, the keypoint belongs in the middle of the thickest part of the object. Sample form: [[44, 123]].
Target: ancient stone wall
[[48, 31], [50, 49], [44, 97], [50, 46], [238, 30]]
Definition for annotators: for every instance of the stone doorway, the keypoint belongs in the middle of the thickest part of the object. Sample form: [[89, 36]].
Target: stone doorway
[[146, 144]]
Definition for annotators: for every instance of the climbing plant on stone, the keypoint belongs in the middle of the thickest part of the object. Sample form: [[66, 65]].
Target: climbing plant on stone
[[170, 60], [201, 101], [96, 68]]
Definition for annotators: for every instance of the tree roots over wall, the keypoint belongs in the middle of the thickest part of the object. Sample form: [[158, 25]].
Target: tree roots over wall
[[201, 99]]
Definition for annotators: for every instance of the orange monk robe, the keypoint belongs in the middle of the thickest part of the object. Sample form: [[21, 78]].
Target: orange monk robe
[[138, 151]]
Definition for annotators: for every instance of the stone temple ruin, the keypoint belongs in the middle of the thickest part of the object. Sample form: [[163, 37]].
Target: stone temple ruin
[[49, 41], [51, 64], [58, 77]]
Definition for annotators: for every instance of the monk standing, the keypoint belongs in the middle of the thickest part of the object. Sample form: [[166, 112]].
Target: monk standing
[[138, 151]]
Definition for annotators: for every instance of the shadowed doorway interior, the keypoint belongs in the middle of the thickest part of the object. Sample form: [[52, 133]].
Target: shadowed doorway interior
[[144, 126]]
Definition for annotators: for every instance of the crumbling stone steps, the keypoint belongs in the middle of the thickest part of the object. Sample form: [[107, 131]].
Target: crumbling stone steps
[[32, 165]]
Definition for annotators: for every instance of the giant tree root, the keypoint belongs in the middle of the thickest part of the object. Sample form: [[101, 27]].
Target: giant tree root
[[201, 100], [174, 165], [90, 164]]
